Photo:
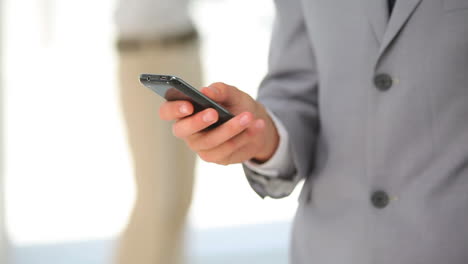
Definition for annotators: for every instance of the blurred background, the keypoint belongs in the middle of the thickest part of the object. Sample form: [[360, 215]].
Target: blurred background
[[67, 185]]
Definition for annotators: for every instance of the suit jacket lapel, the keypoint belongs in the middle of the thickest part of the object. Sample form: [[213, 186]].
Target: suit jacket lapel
[[377, 12], [401, 13]]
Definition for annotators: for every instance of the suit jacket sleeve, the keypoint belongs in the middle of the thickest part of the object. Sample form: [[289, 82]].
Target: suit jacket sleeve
[[290, 91]]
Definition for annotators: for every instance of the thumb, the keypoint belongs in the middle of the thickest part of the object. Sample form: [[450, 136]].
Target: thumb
[[222, 93]]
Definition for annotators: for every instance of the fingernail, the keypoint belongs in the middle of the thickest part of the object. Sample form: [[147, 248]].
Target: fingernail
[[213, 89], [260, 124], [244, 120], [183, 109], [208, 117]]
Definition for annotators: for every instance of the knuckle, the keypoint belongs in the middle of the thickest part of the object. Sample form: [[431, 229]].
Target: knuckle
[[218, 84], [231, 144], [208, 157], [192, 144], [204, 156], [197, 143], [204, 143], [216, 158], [226, 160], [224, 163]]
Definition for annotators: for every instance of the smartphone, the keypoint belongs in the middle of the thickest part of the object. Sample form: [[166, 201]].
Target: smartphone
[[173, 88]]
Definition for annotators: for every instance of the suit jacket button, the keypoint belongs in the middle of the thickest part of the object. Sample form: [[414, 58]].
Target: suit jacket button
[[380, 199], [383, 82]]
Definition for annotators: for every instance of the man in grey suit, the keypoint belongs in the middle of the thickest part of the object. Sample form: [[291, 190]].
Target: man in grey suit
[[368, 102]]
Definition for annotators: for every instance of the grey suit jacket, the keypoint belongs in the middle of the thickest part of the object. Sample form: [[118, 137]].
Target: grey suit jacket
[[377, 113]]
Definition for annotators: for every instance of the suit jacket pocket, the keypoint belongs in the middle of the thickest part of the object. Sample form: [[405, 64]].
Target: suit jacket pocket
[[452, 5]]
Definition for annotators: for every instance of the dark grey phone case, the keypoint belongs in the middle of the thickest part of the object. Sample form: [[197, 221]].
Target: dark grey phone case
[[173, 88]]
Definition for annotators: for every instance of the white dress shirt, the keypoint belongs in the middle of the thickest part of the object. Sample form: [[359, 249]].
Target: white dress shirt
[[152, 19]]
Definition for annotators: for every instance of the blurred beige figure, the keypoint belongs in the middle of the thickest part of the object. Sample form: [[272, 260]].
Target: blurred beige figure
[[155, 36]]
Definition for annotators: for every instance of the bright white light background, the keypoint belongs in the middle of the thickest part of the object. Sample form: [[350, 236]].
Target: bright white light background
[[66, 163], [68, 173]]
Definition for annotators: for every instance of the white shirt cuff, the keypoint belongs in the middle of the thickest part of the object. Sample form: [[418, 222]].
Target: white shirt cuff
[[281, 162]]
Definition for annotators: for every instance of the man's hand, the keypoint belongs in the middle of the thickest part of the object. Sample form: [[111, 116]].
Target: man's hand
[[251, 134]]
